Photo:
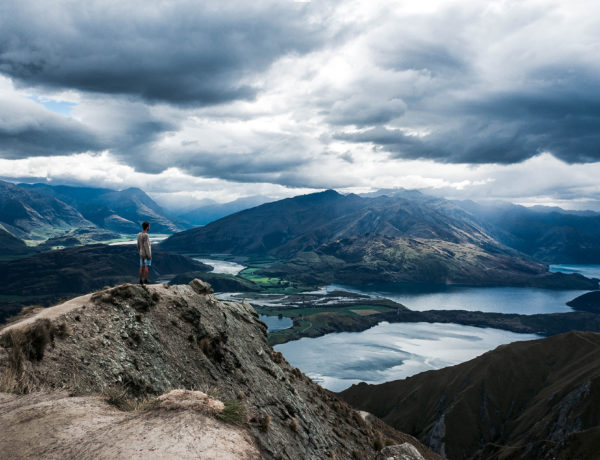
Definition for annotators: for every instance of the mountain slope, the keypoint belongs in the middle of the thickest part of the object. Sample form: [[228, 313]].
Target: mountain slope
[[382, 259], [28, 214], [536, 399], [550, 235], [287, 227], [120, 211], [10, 245], [327, 237], [210, 212], [143, 342]]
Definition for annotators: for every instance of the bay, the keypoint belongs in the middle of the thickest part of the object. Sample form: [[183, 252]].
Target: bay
[[390, 351]]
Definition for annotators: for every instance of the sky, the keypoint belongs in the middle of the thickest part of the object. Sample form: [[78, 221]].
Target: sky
[[198, 102]]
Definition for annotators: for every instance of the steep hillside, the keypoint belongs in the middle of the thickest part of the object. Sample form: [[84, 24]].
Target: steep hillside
[[11, 245], [120, 211], [48, 277], [28, 214], [551, 235], [327, 237], [536, 400], [380, 259], [136, 344], [286, 227]]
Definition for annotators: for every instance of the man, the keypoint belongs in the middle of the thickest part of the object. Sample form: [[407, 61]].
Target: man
[[143, 245]]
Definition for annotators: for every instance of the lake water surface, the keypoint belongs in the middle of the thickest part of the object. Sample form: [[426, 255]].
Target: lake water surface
[[222, 266], [274, 323], [525, 301], [390, 351]]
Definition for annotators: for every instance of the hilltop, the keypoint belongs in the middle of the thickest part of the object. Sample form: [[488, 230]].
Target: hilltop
[[536, 399], [48, 277], [132, 346]]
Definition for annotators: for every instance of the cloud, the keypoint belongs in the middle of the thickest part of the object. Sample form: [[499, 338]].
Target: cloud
[[27, 129], [181, 52], [442, 95]]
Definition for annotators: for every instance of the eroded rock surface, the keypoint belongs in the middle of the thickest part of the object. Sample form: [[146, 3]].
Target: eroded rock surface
[[148, 341]]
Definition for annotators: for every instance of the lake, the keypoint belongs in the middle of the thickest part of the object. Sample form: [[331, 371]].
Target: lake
[[275, 323], [390, 351], [525, 301], [222, 266]]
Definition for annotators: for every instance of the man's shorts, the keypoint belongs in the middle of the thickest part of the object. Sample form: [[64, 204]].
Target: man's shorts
[[145, 262]]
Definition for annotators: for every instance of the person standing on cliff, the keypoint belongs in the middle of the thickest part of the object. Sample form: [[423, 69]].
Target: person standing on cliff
[[143, 245]]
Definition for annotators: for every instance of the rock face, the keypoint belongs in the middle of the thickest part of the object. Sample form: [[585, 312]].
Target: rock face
[[537, 400], [146, 341]]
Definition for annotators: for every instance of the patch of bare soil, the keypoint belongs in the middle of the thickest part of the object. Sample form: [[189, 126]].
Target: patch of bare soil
[[52, 425]]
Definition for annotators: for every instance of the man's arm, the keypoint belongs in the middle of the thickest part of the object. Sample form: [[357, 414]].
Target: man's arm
[[147, 246]]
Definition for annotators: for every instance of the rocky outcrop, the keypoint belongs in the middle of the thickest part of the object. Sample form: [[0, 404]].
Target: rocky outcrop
[[140, 343]]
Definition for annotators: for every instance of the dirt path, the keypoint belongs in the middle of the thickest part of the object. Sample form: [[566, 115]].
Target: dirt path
[[56, 426], [50, 312]]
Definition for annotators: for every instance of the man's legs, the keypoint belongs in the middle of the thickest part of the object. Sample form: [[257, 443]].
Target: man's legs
[[146, 274], [141, 270]]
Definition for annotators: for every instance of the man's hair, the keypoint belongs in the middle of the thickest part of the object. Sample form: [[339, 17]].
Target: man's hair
[[145, 225]]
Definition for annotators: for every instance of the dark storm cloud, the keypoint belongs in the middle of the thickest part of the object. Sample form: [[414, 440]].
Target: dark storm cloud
[[503, 128], [27, 130], [180, 52]]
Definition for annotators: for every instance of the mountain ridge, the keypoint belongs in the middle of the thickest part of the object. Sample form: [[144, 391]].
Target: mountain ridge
[[145, 341], [356, 240], [534, 399]]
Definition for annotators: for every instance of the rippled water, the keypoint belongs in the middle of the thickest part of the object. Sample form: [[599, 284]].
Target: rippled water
[[222, 266], [525, 301], [390, 351], [274, 323]]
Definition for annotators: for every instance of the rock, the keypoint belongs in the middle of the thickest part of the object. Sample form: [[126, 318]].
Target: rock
[[187, 399], [139, 343], [200, 287], [404, 451]]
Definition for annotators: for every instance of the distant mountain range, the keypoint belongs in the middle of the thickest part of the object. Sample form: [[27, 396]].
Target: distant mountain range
[[536, 400], [68, 216], [328, 237], [29, 214], [208, 213], [118, 211], [551, 235]]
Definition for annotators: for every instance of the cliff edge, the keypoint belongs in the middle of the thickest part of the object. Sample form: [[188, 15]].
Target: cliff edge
[[169, 372]]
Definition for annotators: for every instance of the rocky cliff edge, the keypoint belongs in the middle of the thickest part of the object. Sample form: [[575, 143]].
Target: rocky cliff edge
[[165, 371]]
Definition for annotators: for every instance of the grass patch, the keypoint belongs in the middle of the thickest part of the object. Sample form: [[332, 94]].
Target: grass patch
[[118, 396], [234, 413]]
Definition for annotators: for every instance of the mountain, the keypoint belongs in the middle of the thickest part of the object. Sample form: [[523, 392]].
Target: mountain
[[10, 245], [189, 376], [328, 237], [286, 227], [119, 211], [28, 214], [538, 399], [551, 235], [208, 213], [382, 259], [50, 276]]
